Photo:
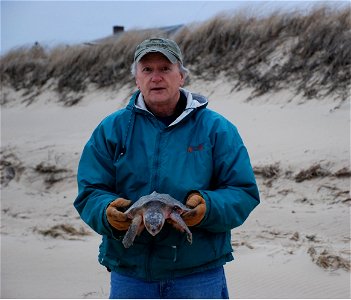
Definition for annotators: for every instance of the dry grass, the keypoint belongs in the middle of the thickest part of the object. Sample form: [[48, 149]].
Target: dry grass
[[316, 170], [312, 172], [327, 260], [312, 51], [343, 172], [52, 174], [64, 231], [267, 172]]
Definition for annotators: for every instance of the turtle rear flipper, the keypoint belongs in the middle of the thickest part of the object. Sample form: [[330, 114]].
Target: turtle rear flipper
[[133, 230]]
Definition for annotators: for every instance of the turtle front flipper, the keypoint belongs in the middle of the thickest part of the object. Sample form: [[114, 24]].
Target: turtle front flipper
[[179, 224], [133, 230]]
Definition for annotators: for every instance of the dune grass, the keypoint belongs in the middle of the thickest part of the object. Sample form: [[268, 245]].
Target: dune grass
[[311, 53]]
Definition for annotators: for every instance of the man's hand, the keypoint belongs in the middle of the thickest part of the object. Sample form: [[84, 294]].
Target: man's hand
[[198, 209], [116, 217]]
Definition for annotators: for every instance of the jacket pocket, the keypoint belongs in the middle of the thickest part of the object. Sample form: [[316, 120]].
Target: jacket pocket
[[206, 248], [115, 255]]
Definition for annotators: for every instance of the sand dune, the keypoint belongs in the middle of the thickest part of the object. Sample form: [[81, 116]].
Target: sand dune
[[296, 244]]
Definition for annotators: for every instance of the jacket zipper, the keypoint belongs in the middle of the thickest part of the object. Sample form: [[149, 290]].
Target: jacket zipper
[[148, 263], [156, 164]]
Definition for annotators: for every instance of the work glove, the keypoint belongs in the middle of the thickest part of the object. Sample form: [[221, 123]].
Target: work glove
[[198, 209], [115, 215]]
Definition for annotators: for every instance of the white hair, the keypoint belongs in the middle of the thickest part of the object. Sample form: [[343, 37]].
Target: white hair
[[182, 69]]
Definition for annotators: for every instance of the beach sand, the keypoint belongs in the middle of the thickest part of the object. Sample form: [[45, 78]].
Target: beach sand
[[295, 244]]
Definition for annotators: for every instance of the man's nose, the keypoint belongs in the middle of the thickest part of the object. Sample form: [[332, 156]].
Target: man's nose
[[156, 77]]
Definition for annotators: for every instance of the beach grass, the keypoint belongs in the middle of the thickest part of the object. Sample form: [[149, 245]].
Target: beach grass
[[311, 52]]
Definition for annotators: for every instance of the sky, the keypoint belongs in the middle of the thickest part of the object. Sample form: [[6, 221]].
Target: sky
[[70, 22]]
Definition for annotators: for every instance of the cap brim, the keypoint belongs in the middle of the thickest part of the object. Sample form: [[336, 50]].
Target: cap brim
[[169, 55]]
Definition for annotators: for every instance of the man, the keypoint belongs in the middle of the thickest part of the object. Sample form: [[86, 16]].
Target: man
[[166, 140]]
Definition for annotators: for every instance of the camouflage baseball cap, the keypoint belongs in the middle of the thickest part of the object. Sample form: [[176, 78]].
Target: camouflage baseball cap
[[167, 47]]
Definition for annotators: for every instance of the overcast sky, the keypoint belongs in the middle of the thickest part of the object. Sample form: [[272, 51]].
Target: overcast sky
[[57, 22]]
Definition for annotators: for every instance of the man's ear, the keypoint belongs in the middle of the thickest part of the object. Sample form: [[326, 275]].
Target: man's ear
[[182, 79]]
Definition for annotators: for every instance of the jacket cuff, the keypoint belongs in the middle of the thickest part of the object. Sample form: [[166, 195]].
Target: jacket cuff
[[192, 192]]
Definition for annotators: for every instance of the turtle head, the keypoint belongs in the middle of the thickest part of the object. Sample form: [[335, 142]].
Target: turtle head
[[153, 221]]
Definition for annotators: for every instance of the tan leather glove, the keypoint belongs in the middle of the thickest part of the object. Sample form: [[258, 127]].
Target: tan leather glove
[[116, 217], [198, 209]]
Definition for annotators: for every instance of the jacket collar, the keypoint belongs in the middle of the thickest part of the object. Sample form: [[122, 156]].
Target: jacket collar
[[194, 101]]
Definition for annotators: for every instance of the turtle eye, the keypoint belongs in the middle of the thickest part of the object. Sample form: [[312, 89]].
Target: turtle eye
[[177, 209]]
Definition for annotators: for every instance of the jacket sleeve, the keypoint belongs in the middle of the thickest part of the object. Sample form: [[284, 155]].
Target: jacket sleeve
[[235, 192], [96, 182]]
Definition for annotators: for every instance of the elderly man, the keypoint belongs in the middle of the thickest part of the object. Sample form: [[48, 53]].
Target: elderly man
[[166, 140]]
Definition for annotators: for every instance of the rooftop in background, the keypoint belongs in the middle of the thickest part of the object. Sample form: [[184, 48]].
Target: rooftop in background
[[118, 31]]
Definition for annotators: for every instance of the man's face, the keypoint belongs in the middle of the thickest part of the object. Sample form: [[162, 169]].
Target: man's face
[[158, 80]]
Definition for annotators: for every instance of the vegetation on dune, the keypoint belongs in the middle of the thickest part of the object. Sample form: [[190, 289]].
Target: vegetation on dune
[[313, 50], [309, 52]]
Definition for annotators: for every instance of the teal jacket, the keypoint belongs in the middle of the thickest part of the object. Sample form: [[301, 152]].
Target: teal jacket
[[131, 154]]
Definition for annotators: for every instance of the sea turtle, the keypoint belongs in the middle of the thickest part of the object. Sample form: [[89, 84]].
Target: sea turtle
[[151, 211]]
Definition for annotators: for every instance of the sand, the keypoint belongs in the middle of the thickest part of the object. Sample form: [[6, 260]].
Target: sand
[[296, 243]]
